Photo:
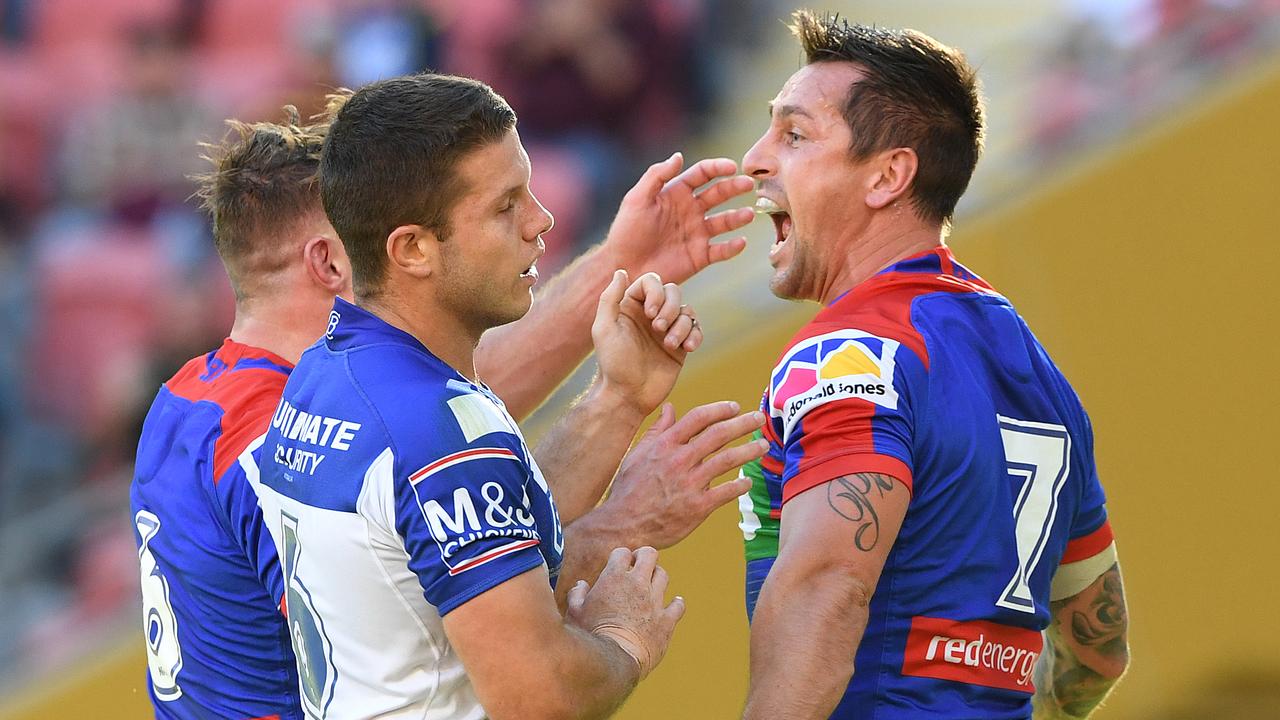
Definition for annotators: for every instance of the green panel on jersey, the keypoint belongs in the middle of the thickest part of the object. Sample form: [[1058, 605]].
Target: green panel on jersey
[[758, 529]]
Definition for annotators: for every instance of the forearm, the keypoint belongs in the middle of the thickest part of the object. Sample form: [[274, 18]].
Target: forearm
[[587, 544], [581, 452], [594, 675], [1086, 650], [804, 637], [552, 339]]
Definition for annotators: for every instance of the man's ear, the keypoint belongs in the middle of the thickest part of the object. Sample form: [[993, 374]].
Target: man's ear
[[413, 249], [327, 263], [894, 172]]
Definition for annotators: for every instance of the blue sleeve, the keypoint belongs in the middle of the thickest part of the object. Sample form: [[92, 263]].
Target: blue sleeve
[[466, 520], [1091, 513]]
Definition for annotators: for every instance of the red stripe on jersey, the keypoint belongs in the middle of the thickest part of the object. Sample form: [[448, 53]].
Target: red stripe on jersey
[[1083, 548], [267, 717], [974, 652], [247, 397], [823, 470], [460, 457], [492, 555]]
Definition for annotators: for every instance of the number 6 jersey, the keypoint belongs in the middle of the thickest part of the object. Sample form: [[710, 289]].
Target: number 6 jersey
[[396, 490], [926, 374]]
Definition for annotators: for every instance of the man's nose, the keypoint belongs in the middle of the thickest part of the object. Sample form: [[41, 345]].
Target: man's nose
[[758, 162]]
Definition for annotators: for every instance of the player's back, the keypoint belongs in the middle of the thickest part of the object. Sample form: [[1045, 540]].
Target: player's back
[[397, 490], [217, 644]]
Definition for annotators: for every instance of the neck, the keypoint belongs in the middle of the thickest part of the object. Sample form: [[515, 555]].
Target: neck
[[876, 251], [440, 332], [278, 328]]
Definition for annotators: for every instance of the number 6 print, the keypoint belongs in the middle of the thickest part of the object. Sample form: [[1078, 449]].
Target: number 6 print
[[1039, 454], [310, 644], [164, 653]]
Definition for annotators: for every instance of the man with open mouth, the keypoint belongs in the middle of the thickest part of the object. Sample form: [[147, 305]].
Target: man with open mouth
[[929, 503]]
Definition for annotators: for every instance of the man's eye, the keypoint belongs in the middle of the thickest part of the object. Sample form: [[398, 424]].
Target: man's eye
[[792, 137], [511, 204]]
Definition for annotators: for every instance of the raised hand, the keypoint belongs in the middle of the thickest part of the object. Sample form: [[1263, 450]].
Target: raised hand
[[642, 335], [663, 224], [663, 489]]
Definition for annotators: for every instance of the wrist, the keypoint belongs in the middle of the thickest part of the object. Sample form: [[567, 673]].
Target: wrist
[[631, 644], [612, 404]]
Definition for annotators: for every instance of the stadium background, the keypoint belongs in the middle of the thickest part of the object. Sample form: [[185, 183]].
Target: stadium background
[[1125, 205]]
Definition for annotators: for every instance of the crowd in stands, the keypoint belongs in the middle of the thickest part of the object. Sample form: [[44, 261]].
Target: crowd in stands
[[1113, 64], [106, 265]]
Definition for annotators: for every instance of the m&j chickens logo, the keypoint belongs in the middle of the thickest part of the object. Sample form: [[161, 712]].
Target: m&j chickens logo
[[835, 366]]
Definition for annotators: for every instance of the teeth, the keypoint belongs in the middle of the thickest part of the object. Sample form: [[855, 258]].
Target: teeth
[[765, 206]]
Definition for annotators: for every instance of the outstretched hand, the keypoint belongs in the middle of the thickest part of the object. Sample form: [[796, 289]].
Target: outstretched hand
[[663, 490], [642, 334], [663, 223]]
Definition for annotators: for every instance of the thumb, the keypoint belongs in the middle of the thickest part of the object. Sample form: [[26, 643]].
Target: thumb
[[611, 298], [666, 418], [577, 596]]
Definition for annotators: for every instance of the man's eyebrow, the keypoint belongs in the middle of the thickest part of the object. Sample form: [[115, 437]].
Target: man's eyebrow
[[782, 111]]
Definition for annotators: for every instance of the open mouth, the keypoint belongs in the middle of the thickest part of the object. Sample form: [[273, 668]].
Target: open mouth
[[781, 219], [531, 271]]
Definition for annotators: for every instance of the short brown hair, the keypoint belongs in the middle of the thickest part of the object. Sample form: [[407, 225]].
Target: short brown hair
[[262, 184], [916, 93], [390, 159]]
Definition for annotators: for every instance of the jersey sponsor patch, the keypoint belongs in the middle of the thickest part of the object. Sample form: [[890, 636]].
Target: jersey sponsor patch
[[839, 365], [975, 652], [469, 514]]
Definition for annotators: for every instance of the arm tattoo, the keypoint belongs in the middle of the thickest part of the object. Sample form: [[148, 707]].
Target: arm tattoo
[[850, 498], [1077, 685], [1102, 626]]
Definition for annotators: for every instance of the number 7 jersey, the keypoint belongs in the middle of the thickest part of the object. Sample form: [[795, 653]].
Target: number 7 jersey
[[926, 374]]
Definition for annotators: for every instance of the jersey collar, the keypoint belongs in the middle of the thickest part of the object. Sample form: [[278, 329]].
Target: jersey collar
[[351, 326]]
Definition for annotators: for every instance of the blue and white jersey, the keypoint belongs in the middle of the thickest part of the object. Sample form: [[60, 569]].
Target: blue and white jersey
[[396, 490]]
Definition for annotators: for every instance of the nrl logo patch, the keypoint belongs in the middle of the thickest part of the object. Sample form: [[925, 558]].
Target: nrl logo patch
[[835, 366]]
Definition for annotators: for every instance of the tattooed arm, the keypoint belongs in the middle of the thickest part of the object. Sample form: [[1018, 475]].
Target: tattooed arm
[[813, 606], [1086, 650]]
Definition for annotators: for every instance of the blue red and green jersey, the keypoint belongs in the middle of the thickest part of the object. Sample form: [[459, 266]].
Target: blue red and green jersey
[[926, 374], [217, 643], [397, 490]]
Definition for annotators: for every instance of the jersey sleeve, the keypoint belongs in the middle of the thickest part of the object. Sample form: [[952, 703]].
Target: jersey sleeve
[[466, 520], [1091, 548], [844, 403]]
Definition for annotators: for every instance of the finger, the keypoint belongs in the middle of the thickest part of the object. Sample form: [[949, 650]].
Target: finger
[[725, 493], [666, 418], [659, 587], [726, 460], [724, 432], [724, 190], [701, 417], [649, 291], [670, 310], [694, 341], [680, 331], [727, 221], [578, 596], [612, 296], [674, 611], [704, 171], [619, 561], [658, 175], [721, 251], [646, 561]]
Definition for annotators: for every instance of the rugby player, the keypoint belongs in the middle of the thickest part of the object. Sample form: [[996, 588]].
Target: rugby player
[[217, 644], [419, 539], [929, 503]]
